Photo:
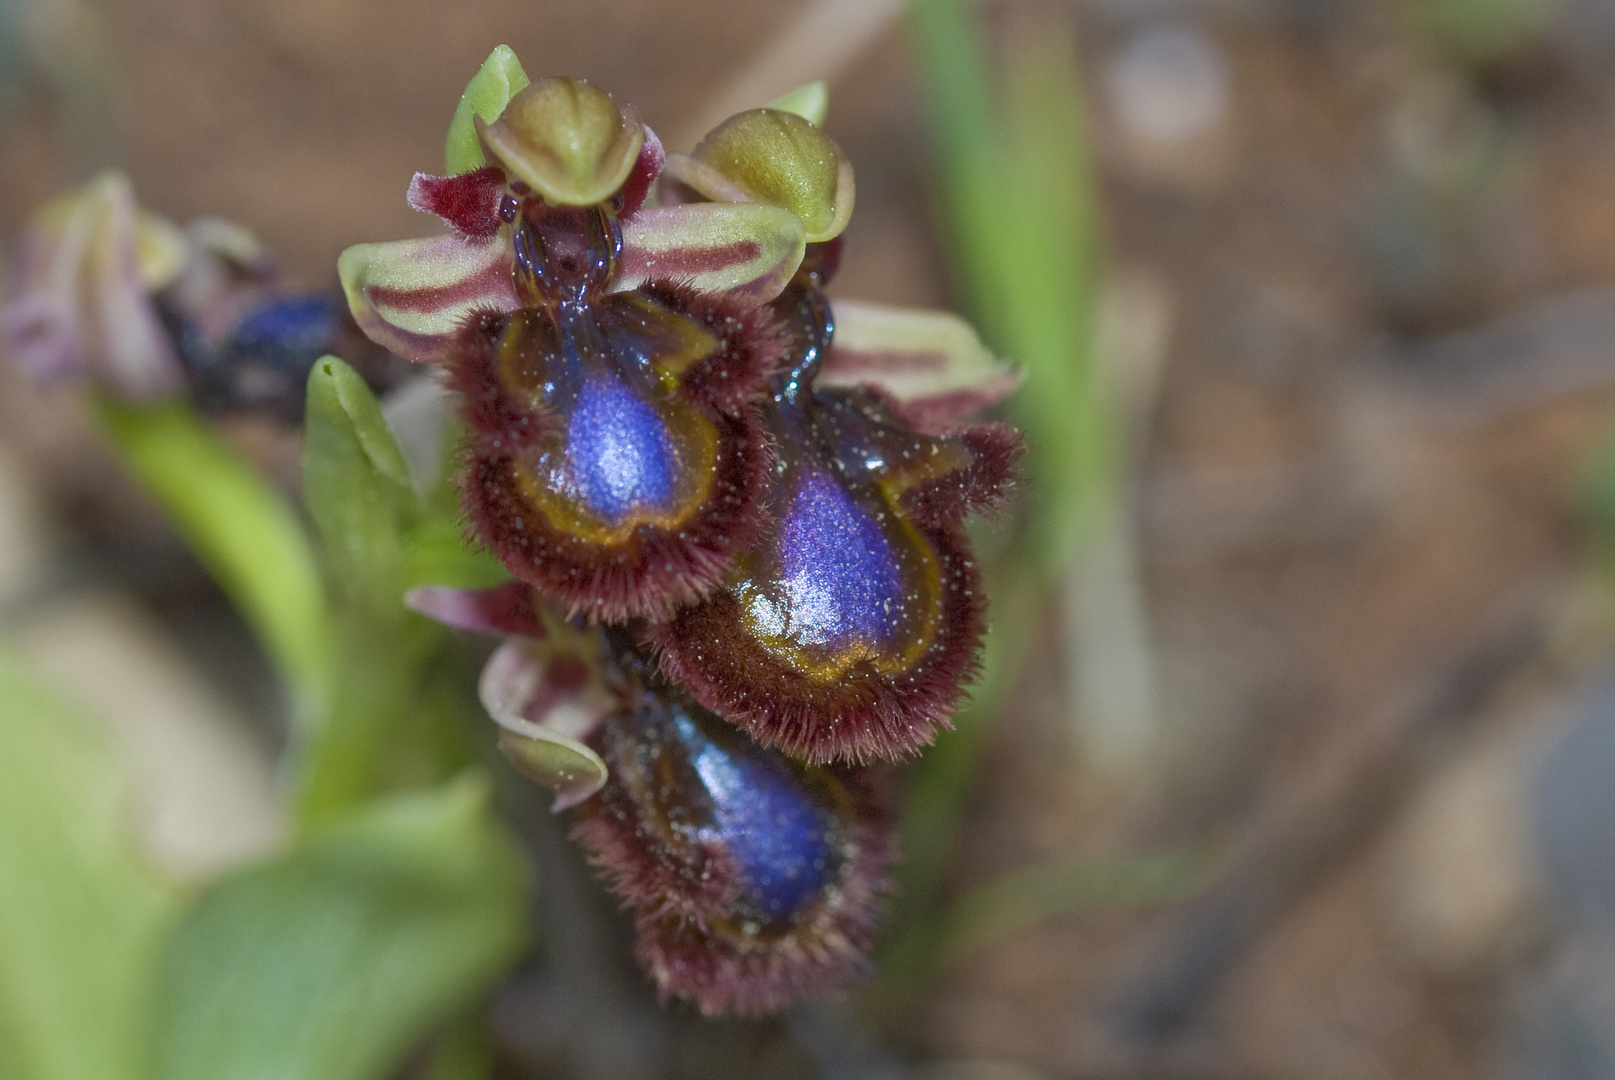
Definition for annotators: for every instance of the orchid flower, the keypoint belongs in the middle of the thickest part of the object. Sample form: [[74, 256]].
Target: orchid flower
[[147, 310], [756, 880], [735, 509], [88, 267], [606, 353]]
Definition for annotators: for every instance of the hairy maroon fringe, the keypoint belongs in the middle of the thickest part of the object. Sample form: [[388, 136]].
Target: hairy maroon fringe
[[679, 913], [486, 405], [755, 340], [864, 717], [654, 571], [983, 488]]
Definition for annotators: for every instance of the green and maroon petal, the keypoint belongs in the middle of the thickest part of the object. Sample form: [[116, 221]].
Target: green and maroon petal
[[412, 296], [930, 365], [547, 696], [746, 250]]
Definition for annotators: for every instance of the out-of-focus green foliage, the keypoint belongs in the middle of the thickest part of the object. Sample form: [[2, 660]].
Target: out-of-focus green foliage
[[1020, 207], [81, 916], [1024, 897], [392, 722], [330, 962], [1478, 31], [242, 530]]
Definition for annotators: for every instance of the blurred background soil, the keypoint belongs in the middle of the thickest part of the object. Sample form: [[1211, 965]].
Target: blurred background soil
[[1369, 272]]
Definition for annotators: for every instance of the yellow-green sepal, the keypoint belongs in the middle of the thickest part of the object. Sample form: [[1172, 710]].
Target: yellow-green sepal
[[567, 140], [775, 157]]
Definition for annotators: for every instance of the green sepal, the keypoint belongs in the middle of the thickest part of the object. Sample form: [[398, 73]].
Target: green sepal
[[499, 79], [355, 481], [390, 722], [774, 157], [567, 140]]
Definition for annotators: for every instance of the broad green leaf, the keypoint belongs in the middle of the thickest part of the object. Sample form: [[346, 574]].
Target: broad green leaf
[[241, 529], [498, 80], [81, 916], [333, 961]]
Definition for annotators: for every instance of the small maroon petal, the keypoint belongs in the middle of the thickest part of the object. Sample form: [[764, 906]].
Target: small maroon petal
[[469, 202], [511, 608], [755, 881], [646, 169]]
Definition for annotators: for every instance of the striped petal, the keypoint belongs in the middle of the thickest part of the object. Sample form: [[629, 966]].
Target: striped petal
[[748, 250], [546, 696], [411, 296], [930, 364]]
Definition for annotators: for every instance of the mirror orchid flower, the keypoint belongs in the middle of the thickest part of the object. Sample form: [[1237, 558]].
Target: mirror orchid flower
[[606, 353], [849, 630], [755, 880]]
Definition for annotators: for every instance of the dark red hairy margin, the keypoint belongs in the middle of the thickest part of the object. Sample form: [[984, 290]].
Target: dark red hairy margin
[[689, 956], [865, 716]]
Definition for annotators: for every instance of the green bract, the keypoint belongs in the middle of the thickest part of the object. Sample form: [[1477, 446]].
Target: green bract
[[811, 102], [498, 80], [567, 140], [776, 157]]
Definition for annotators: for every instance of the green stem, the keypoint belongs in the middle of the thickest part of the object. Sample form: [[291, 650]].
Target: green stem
[[240, 528]]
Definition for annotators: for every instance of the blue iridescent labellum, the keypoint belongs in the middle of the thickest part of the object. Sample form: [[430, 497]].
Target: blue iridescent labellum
[[755, 880], [615, 461], [848, 632]]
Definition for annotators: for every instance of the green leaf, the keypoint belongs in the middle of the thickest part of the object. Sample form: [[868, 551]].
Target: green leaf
[[498, 80], [81, 916], [335, 960], [242, 530]]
